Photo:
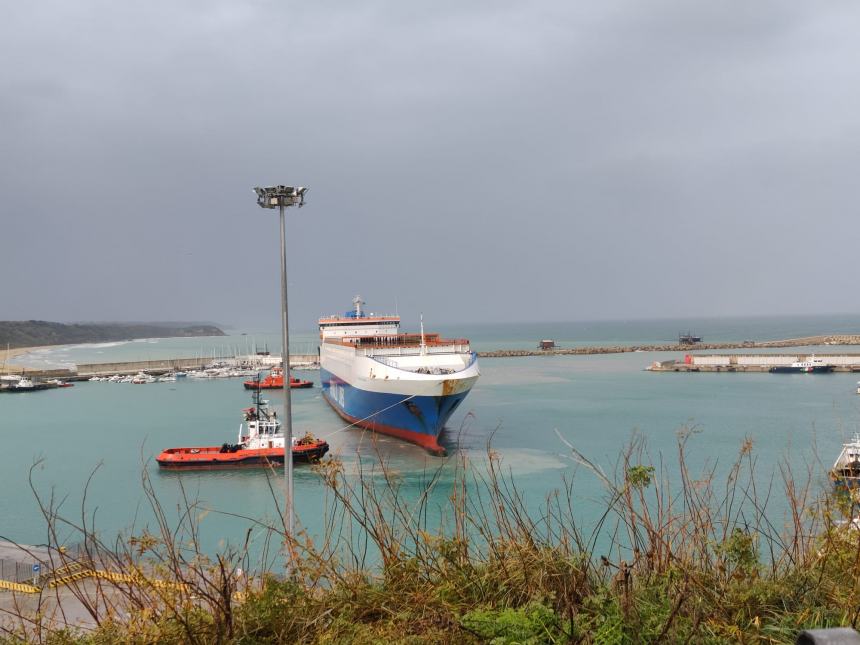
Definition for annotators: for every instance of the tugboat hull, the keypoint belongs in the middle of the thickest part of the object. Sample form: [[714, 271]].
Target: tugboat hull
[[264, 385], [218, 457]]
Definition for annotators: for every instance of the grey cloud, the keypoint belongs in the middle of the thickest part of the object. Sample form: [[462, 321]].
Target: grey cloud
[[583, 160]]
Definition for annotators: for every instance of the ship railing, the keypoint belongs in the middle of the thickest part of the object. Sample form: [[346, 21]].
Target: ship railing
[[382, 351], [397, 340]]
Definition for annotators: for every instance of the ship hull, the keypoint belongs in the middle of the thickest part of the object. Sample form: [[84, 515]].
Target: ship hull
[[418, 419], [211, 457], [786, 369]]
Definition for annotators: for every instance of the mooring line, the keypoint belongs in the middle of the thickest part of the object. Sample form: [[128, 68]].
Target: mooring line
[[393, 405]]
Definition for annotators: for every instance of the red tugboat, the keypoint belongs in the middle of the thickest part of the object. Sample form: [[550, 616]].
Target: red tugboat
[[260, 445], [275, 381]]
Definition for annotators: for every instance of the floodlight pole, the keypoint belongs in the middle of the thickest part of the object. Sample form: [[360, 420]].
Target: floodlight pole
[[288, 408], [283, 197]]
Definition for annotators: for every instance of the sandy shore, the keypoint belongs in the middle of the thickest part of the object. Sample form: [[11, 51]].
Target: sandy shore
[[7, 355]]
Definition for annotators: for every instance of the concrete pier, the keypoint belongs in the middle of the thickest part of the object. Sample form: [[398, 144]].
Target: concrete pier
[[156, 368], [806, 341], [752, 362]]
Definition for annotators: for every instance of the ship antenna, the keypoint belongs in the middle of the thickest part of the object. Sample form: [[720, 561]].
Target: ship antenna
[[423, 341]]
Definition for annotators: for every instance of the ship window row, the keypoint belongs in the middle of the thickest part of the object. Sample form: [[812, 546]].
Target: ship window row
[[353, 323]]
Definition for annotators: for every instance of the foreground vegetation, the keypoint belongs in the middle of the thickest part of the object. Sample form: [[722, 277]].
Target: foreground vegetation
[[686, 561]]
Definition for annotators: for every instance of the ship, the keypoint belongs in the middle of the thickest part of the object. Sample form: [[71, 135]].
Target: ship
[[403, 385], [811, 366], [261, 444]]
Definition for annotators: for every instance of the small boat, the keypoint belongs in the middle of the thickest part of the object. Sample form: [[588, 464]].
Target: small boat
[[275, 381], [142, 378], [167, 378], [58, 383], [27, 385], [858, 387], [810, 366], [261, 444], [845, 473], [180, 374]]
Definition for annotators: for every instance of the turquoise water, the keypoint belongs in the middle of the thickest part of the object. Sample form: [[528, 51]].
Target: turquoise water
[[596, 402]]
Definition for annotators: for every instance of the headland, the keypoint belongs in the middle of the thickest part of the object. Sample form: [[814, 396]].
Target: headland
[[17, 334]]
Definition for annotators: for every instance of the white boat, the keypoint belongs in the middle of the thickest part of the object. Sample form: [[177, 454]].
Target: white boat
[[26, 385], [166, 378], [846, 469]]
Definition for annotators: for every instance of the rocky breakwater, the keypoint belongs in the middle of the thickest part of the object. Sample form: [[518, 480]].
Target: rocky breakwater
[[807, 341]]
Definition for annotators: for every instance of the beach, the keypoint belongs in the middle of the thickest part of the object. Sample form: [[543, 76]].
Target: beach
[[7, 355]]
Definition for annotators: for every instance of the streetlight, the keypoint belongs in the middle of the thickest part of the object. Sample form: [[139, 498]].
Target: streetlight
[[282, 197]]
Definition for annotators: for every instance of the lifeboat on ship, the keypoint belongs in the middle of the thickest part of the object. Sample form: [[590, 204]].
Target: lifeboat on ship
[[275, 381], [260, 443]]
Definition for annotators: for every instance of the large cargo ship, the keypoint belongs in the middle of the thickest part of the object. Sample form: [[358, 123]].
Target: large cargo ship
[[403, 385]]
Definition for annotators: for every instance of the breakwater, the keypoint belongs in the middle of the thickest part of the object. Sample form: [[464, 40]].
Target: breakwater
[[806, 341]]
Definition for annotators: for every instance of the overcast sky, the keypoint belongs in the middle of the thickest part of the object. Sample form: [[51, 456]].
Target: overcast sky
[[478, 161]]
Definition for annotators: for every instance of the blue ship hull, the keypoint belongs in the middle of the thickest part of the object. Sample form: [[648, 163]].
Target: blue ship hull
[[418, 419]]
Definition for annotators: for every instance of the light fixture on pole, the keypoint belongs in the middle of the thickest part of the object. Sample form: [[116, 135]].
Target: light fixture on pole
[[282, 197]]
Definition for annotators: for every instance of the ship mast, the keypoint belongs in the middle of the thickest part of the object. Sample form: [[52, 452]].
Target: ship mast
[[423, 340]]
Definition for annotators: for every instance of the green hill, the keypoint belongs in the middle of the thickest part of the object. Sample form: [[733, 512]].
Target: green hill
[[32, 333]]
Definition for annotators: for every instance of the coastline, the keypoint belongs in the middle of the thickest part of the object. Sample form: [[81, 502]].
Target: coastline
[[7, 355]]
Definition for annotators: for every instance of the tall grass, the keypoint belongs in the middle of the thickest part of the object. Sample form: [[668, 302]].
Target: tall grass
[[683, 558]]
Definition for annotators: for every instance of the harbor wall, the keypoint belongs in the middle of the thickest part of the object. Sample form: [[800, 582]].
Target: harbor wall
[[847, 362], [132, 367]]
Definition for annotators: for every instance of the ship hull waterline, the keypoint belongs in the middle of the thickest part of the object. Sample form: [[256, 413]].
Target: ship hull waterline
[[274, 457], [417, 419]]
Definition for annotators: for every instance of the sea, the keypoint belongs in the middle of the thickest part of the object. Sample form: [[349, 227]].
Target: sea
[[89, 449]]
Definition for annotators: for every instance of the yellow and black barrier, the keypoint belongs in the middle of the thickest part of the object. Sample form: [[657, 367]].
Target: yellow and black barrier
[[113, 576], [18, 586]]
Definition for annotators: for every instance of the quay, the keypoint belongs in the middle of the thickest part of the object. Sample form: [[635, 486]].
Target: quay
[[752, 362], [85, 371]]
